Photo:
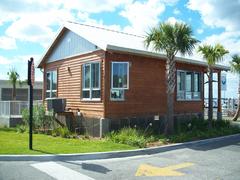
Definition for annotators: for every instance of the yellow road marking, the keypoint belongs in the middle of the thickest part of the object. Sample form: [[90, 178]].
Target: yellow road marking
[[148, 170]]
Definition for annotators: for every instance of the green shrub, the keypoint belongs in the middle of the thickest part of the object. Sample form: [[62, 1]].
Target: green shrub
[[21, 128], [63, 132], [128, 136], [40, 120]]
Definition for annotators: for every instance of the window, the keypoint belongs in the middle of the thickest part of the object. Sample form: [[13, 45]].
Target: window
[[119, 80], [91, 81], [51, 89], [188, 85]]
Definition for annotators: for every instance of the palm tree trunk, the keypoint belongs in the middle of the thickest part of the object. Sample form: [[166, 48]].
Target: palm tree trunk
[[170, 84], [238, 109], [14, 92], [210, 98]]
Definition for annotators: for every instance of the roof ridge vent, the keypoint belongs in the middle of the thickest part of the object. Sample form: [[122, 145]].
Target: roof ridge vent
[[106, 29]]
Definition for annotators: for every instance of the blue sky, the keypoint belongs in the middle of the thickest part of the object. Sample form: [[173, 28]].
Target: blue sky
[[28, 27]]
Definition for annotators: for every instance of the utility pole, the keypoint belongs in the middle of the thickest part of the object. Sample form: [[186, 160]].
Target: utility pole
[[30, 98]]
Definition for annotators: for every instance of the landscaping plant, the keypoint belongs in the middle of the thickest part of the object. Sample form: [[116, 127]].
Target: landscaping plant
[[212, 54], [235, 66], [171, 39]]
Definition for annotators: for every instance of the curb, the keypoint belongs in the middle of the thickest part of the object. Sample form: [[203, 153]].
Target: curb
[[114, 154]]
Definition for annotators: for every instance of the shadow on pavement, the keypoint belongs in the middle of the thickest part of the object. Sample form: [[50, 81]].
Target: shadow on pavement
[[91, 167], [216, 144], [44, 152]]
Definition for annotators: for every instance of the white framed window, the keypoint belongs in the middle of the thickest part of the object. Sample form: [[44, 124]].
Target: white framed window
[[119, 80], [91, 81], [188, 85], [51, 84]]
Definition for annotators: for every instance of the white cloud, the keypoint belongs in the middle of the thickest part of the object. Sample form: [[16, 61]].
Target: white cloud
[[30, 31], [230, 40], [176, 11], [200, 31], [4, 61], [142, 15], [7, 43], [173, 20], [218, 13], [95, 6]]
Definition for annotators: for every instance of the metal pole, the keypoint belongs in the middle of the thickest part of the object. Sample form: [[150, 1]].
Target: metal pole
[[30, 98], [30, 115]]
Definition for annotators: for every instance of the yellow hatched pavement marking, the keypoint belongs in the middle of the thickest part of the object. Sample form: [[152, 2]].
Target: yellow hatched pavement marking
[[148, 170]]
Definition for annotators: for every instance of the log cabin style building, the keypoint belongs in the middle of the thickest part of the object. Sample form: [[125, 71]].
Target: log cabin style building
[[109, 79]]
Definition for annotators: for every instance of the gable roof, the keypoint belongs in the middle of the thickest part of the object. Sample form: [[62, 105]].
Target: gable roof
[[112, 40]]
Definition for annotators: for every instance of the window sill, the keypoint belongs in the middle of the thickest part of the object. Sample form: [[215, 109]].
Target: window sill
[[91, 100], [117, 100], [189, 100]]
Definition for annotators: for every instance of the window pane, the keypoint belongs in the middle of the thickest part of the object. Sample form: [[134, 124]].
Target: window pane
[[48, 80], [180, 81], [196, 82], [119, 75], [54, 94], [86, 94], [188, 81], [86, 76], [54, 80], [95, 75], [47, 94], [196, 93], [117, 94], [96, 94]]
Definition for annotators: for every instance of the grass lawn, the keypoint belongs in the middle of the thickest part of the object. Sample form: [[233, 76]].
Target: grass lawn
[[17, 143]]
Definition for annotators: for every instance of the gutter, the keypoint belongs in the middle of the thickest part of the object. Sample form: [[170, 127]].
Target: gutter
[[162, 56]]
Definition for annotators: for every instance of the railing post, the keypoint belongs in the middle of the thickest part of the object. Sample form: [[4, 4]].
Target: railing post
[[219, 109]]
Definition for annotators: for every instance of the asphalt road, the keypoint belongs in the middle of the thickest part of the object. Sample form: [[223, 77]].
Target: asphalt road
[[211, 160]]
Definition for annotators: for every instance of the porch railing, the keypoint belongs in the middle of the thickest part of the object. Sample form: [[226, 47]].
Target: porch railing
[[14, 108]]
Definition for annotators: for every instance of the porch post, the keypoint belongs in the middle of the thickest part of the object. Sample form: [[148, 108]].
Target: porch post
[[219, 109]]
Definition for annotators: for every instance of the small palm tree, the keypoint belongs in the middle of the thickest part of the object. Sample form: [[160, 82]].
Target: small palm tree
[[13, 77], [171, 39], [235, 66], [212, 54]]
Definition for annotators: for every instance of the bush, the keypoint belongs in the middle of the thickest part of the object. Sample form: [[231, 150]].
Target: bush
[[40, 120], [63, 132], [21, 128], [128, 136]]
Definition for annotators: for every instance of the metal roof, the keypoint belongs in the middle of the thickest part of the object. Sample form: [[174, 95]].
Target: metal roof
[[107, 39]]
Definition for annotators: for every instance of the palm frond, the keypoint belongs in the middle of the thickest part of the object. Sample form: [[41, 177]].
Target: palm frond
[[212, 54], [171, 39], [235, 64]]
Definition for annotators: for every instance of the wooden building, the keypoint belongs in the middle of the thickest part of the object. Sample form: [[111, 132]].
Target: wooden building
[[109, 75]]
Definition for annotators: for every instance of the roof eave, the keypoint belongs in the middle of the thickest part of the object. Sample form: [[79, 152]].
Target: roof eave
[[162, 56]]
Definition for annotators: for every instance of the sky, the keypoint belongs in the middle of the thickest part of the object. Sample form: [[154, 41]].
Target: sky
[[27, 27]]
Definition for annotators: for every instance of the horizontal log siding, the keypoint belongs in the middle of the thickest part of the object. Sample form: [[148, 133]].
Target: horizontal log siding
[[70, 83], [147, 90]]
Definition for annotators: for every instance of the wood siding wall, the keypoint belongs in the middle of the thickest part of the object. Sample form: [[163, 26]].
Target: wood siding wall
[[147, 88], [69, 83]]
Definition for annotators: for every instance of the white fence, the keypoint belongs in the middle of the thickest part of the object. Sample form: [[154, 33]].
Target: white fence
[[229, 107], [14, 108]]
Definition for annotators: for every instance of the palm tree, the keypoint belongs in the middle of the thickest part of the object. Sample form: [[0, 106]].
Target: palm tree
[[212, 54], [171, 39], [13, 77], [235, 66]]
